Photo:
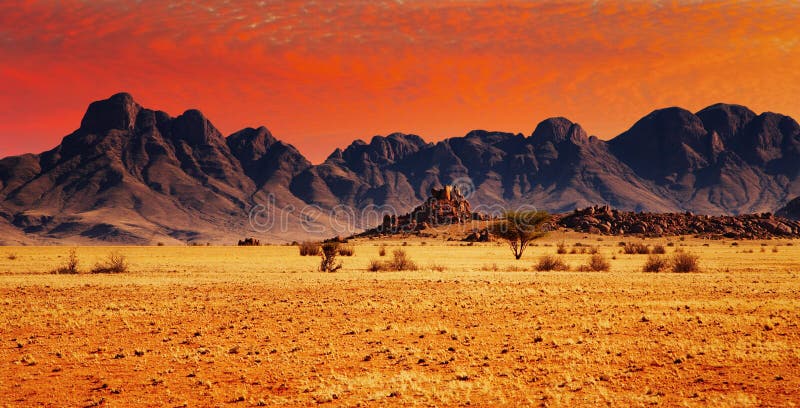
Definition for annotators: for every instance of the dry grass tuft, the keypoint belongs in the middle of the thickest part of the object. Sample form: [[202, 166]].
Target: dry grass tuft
[[71, 267], [683, 262], [656, 263], [597, 263], [551, 263], [635, 248], [308, 248], [347, 250], [399, 262], [115, 263]]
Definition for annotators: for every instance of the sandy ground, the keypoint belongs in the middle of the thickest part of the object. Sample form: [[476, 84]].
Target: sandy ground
[[218, 326]]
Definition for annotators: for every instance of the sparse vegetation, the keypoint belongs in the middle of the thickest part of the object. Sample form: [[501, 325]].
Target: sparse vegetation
[[437, 267], [475, 321], [561, 249], [115, 263], [309, 248], [12, 256], [551, 263], [635, 248], [659, 249], [71, 266], [347, 250], [382, 250], [597, 263], [656, 263], [683, 262], [520, 228], [399, 262], [328, 252]]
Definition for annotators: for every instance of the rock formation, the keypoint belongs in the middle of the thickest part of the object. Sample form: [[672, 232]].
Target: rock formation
[[608, 221]]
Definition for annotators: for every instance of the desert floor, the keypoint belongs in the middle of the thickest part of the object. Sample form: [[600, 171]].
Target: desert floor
[[219, 326]]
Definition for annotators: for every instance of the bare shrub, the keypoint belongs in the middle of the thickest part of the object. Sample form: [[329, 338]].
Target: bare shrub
[[597, 263], [376, 265], [401, 262], [71, 267], [328, 252], [593, 250], [635, 248], [115, 263], [437, 267], [347, 250], [659, 250], [382, 250], [655, 263], [683, 262], [309, 248], [562, 248], [12, 256], [551, 263]]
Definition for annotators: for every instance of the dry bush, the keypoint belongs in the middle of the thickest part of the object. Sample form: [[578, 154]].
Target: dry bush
[[659, 250], [437, 267], [597, 263], [401, 262], [328, 252], [593, 250], [635, 248], [551, 263], [684, 262], [115, 263], [376, 266], [71, 267], [562, 248], [347, 250], [13, 256], [308, 248], [655, 263], [382, 250], [490, 268], [775, 249]]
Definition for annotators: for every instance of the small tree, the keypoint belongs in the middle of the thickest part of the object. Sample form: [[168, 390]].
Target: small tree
[[520, 228], [328, 253]]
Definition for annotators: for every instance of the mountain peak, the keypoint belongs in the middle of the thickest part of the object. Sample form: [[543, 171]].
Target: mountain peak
[[196, 129], [557, 130], [725, 119], [117, 112]]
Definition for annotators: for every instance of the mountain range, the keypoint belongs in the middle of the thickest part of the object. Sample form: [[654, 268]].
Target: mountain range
[[133, 175]]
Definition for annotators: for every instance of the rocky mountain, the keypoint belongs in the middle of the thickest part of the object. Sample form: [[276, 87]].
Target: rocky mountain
[[791, 210], [129, 174]]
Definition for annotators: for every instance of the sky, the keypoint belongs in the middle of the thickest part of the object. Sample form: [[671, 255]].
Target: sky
[[322, 73]]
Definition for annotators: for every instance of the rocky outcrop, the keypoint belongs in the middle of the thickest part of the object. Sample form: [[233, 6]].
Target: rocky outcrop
[[608, 221]]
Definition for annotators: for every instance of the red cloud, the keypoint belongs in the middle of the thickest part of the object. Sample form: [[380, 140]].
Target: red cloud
[[322, 73]]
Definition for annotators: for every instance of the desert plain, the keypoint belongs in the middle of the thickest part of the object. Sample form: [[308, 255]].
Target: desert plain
[[260, 326]]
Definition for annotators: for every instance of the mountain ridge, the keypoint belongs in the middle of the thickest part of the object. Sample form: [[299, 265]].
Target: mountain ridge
[[130, 174]]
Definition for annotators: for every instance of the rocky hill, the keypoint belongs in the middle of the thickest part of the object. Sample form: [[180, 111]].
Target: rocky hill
[[129, 174]]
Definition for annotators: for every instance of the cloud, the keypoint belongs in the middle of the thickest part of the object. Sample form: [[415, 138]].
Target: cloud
[[322, 73]]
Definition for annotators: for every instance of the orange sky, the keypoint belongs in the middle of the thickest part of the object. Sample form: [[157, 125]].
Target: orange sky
[[322, 73]]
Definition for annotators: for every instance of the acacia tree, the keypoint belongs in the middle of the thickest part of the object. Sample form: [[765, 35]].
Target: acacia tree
[[520, 228]]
